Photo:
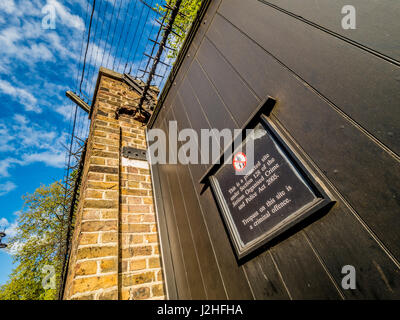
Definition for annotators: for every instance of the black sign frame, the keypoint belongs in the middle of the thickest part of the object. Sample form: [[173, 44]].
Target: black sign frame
[[322, 200]]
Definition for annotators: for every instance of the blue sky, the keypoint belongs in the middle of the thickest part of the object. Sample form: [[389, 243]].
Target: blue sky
[[37, 66]]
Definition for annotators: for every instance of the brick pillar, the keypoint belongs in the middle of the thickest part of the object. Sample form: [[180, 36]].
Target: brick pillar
[[115, 253]]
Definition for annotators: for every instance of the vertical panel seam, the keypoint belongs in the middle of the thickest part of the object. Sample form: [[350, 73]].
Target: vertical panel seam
[[191, 233], [248, 281], [188, 220], [178, 96], [201, 108], [209, 237], [177, 234], [198, 200], [321, 261], [234, 70], [280, 274], [158, 190], [217, 93]]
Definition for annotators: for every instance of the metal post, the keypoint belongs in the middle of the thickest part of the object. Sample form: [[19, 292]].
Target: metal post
[[168, 30]]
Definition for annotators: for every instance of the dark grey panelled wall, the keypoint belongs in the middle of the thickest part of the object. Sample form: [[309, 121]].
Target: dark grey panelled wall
[[338, 102]]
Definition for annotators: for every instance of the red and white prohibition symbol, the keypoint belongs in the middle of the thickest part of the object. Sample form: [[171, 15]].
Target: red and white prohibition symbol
[[239, 161]]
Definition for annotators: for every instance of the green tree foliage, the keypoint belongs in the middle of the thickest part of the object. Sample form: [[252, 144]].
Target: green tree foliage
[[182, 23], [38, 242]]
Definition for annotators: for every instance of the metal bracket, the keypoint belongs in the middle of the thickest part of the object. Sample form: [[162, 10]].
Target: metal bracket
[[134, 153], [76, 99]]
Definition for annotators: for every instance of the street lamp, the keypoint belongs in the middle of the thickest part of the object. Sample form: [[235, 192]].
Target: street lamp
[[2, 245]]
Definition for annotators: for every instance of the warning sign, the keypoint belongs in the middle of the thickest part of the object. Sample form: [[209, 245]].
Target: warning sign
[[239, 161]]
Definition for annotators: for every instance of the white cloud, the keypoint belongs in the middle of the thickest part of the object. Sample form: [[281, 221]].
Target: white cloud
[[22, 38], [67, 111], [8, 6], [66, 17], [101, 55], [31, 143], [3, 223], [6, 187], [23, 43], [10, 229], [9, 36], [19, 118], [5, 165], [5, 139], [22, 8], [40, 52], [32, 136], [21, 95], [17, 213], [153, 22], [61, 46], [50, 158]]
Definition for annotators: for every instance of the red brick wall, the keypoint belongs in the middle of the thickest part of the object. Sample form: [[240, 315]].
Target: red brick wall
[[115, 252]]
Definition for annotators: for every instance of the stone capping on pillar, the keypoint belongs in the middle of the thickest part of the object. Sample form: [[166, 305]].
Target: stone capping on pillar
[[115, 251]]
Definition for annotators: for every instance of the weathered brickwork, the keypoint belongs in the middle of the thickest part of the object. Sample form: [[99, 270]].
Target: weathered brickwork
[[115, 253]]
